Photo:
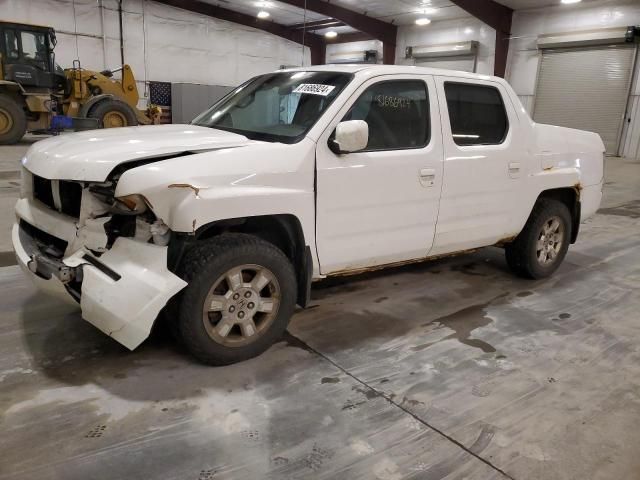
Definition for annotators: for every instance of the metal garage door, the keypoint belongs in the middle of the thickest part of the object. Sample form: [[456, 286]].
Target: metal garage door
[[464, 64], [586, 88]]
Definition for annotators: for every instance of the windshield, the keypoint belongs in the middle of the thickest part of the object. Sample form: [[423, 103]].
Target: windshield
[[278, 107]]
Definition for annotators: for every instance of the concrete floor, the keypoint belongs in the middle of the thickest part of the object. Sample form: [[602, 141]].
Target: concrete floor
[[449, 369]]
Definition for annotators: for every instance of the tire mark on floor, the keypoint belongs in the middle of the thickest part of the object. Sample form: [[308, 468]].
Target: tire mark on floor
[[295, 341]]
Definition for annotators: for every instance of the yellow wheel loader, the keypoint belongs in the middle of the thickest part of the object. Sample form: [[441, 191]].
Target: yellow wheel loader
[[36, 94]]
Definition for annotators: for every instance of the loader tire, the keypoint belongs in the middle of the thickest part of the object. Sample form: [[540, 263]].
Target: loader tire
[[114, 113], [13, 121]]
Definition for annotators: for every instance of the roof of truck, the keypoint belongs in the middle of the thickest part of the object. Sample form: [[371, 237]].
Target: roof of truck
[[374, 70]]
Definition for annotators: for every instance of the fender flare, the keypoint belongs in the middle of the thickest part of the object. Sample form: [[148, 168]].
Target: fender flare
[[86, 108], [6, 84], [288, 224]]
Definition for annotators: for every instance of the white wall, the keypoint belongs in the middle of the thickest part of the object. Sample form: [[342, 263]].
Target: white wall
[[522, 67], [337, 52], [450, 31], [161, 43]]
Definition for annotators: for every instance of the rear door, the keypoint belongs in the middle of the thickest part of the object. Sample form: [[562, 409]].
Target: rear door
[[380, 205], [484, 164]]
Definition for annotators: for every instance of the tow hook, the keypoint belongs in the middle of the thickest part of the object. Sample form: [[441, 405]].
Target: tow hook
[[45, 267]]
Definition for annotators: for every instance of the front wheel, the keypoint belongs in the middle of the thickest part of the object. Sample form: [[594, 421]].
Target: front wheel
[[239, 300], [543, 243], [114, 114]]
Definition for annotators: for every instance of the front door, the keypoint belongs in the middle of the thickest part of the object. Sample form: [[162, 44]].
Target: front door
[[380, 205]]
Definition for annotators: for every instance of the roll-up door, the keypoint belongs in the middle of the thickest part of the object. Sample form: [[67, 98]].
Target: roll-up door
[[586, 88], [464, 64], [460, 56]]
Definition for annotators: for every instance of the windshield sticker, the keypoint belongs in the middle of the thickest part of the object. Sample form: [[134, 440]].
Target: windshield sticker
[[314, 89], [387, 101]]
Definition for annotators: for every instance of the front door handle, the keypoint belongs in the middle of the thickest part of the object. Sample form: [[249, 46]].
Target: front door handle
[[427, 176]]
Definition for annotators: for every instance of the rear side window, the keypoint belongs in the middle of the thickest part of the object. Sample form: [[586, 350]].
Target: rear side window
[[397, 113], [477, 114]]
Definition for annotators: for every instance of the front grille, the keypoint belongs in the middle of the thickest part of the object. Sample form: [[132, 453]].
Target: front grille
[[43, 241], [42, 191], [69, 193], [70, 198]]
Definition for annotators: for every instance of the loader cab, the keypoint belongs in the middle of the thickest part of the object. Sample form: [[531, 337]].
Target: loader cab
[[27, 58]]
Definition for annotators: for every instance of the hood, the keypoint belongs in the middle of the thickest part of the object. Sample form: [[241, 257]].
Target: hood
[[92, 155]]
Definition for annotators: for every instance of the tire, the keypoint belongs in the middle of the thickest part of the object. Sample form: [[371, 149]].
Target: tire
[[113, 113], [224, 335], [536, 255], [13, 121]]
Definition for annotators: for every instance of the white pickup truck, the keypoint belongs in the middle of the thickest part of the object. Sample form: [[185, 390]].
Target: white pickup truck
[[295, 176]]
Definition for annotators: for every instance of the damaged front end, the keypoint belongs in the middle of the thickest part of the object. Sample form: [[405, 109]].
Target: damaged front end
[[78, 240]]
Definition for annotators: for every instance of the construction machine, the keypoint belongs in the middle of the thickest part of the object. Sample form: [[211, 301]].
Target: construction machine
[[36, 93]]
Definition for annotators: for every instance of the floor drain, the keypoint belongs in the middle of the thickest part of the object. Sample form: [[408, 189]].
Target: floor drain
[[96, 431], [251, 434], [206, 474]]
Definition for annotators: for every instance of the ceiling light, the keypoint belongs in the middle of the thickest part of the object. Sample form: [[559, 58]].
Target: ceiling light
[[331, 34], [263, 14], [423, 21], [571, 1]]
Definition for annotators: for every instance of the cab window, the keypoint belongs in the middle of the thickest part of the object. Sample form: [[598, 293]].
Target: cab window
[[11, 43], [397, 113], [34, 46], [476, 113]]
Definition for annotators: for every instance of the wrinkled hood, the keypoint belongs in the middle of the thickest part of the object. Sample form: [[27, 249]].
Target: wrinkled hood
[[92, 155]]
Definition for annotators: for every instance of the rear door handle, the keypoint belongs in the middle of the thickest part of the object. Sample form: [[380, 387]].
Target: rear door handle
[[427, 176], [514, 169]]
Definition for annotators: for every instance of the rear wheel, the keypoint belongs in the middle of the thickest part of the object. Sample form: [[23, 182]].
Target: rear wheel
[[543, 243], [13, 121], [114, 114], [239, 300]]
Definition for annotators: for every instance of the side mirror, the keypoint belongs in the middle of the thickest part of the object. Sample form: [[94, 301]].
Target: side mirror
[[350, 136]]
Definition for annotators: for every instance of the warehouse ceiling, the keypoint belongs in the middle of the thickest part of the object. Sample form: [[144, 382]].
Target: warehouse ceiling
[[371, 16], [522, 4], [279, 12], [398, 12], [404, 12]]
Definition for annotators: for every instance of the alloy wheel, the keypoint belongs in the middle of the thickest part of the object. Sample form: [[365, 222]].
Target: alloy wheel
[[550, 240], [241, 305]]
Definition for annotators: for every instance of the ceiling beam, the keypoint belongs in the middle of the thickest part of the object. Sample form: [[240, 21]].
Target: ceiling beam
[[317, 24], [313, 41], [490, 12], [383, 31], [498, 17], [349, 37]]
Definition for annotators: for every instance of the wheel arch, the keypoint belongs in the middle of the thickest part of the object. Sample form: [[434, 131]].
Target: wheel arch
[[13, 87], [93, 102], [282, 230], [570, 196], [13, 91]]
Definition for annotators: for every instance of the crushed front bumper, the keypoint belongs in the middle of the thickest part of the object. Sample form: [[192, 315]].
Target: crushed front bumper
[[121, 292]]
